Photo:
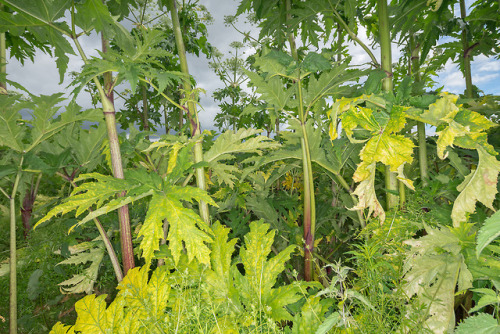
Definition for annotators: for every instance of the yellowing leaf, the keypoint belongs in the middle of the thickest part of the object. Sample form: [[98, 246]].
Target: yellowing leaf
[[367, 198], [183, 228], [444, 108], [390, 149], [447, 137], [91, 312], [152, 229], [146, 301], [172, 159], [60, 328], [480, 185]]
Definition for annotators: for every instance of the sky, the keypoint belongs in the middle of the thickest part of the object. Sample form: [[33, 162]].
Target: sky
[[42, 77]]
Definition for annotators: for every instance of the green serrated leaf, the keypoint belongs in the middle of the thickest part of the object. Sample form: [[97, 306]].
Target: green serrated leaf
[[481, 323], [488, 232]]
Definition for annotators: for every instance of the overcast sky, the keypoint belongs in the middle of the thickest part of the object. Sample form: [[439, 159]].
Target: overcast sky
[[42, 77]]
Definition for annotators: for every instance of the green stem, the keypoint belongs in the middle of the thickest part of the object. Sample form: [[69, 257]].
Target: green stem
[[194, 123], [3, 60], [309, 224], [13, 254], [291, 39], [422, 145], [422, 152], [108, 110], [145, 110], [391, 182], [466, 54], [355, 37]]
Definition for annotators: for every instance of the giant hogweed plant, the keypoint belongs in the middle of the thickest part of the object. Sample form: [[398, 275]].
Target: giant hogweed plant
[[299, 89], [443, 260], [149, 303], [166, 185], [383, 118], [25, 143]]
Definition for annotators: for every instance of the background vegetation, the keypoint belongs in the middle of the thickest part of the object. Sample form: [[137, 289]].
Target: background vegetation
[[322, 206]]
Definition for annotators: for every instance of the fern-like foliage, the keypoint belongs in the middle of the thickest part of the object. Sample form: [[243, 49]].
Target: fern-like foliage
[[82, 253]]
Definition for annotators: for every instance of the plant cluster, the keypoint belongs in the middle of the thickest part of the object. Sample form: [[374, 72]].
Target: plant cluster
[[346, 217]]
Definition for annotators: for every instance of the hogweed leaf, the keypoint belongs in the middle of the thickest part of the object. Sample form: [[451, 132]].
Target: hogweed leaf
[[230, 143], [367, 198], [186, 228], [91, 312], [145, 299], [88, 194], [260, 274], [152, 229], [218, 278], [11, 134], [434, 268], [60, 328], [83, 282], [480, 185]]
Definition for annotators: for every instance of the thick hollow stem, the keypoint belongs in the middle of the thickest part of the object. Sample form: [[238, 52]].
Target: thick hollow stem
[[422, 145], [13, 255], [194, 123], [466, 54], [391, 182], [291, 39], [422, 152], [108, 110], [116, 163], [145, 108], [3, 60], [309, 224]]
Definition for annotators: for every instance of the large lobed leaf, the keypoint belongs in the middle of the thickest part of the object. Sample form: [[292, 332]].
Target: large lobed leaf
[[382, 145], [434, 268], [230, 143], [480, 185], [186, 228], [139, 306]]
